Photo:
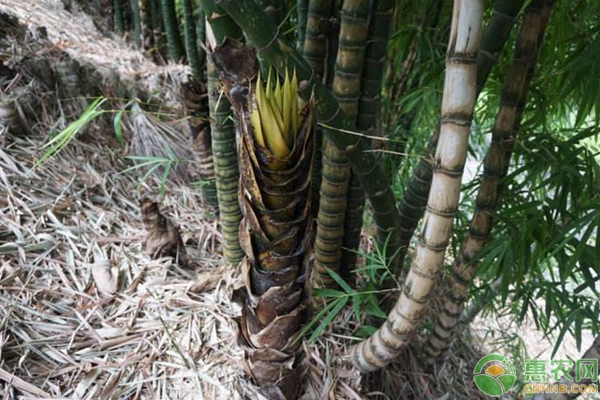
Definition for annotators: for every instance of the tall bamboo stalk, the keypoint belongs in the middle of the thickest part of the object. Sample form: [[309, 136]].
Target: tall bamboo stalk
[[174, 43], [336, 169], [414, 199], [147, 29], [118, 15], [592, 353], [302, 10], [368, 120], [460, 87], [496, 163], [314, 47], [276, 51], [136, 15], [315, 50], [194, 95], [157, 30], [191, 40], [223, 140]]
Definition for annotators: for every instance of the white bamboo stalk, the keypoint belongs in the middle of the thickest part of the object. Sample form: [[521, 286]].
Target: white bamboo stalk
[[457, 111]]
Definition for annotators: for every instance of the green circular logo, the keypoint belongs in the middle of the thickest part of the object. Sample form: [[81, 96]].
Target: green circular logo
[[495, 374]]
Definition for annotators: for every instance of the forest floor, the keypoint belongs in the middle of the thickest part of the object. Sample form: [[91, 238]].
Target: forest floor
[[167, 332]]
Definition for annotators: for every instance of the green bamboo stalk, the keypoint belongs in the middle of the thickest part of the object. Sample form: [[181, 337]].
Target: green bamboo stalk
[[157, 30], [223, 140], [368, 119], [336, 172], [314, 47], [369, 108], [276, 51], [191, 40], [201, 29], [118, 15], [302, 9], [460, 94], [147, 29], [137, 23], [496, 163], [174, 43], [414, 199]]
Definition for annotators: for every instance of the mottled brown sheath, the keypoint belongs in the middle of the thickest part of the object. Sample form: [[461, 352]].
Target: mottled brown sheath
[[275, 232]]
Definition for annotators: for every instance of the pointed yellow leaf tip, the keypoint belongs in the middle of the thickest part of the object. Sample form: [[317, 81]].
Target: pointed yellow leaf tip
[[275, 113]]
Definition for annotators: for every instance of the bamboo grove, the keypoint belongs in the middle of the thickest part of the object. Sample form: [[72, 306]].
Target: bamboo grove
[[302, 117]]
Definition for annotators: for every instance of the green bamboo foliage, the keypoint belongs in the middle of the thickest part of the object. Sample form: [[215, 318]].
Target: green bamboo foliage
[[174, 43], [223, 141], [302, 9], [592, 353], [496, 163], [274, 50], [136, 16], [367, 120], [458, 102], [414, 199], [336, 169], [118, 16]]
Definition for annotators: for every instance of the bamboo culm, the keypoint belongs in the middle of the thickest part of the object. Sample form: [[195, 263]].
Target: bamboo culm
[[223, 141], [118, 16], [496, 163], [159, 50], [315, 48], [277, 52], [368, 117], [174, 43], [458, 102], [414, 199], [302, 9], [137, 23], [191, 40], [333, 200]]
